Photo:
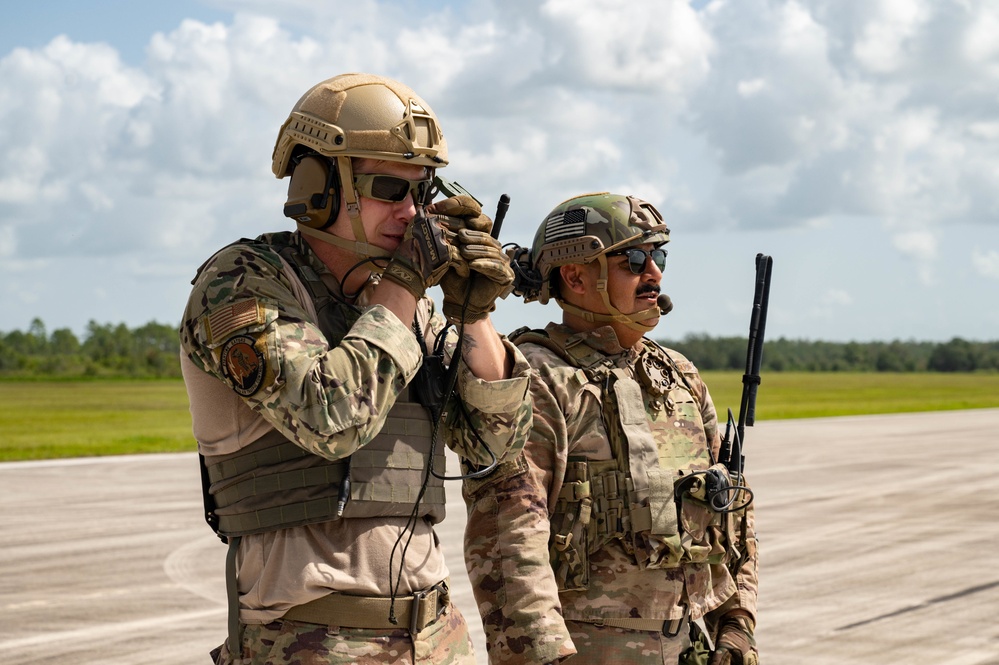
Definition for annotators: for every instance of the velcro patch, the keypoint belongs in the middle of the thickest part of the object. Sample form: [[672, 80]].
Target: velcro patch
[[685, 367], [242, 365], [232, 317]]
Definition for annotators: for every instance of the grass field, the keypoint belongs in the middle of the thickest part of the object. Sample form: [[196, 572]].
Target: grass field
[[43, 419]]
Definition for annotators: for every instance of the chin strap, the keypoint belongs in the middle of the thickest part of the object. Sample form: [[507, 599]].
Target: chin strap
[[360, 248], [633, 321]]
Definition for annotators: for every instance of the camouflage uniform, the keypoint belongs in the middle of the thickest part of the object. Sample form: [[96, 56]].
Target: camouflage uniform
[[331, 402], [534, 614]]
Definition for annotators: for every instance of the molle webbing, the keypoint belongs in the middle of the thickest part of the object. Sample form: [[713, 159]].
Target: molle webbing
[[630, 497], [388, 473], [273, 484]]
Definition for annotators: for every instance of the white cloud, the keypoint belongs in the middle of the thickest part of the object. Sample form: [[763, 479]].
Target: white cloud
[[837, 297], [747, 115], [986, 263], [888, 32], [919, 245], [751, 87], [981, 42]]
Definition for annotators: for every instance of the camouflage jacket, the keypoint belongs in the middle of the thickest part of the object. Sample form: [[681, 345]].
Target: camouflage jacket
[[252, 353], [509, 532]]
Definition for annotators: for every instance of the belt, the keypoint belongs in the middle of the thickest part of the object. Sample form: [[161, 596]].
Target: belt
[[414, 612], [669, 627]]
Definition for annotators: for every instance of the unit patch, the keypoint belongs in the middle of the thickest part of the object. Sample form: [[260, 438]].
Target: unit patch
[[242, 365]]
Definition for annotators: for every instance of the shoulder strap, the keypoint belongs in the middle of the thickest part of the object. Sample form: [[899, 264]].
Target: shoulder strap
[[576, 353]]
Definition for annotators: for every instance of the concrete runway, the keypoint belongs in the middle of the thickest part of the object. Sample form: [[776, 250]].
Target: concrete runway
[[879, 539]]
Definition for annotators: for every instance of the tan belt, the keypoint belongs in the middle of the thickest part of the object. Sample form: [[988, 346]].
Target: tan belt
[[414, 612], [669, 627]]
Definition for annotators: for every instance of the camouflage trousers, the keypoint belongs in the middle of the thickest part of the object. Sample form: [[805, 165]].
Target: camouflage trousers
[[444, 642], [604, 644]]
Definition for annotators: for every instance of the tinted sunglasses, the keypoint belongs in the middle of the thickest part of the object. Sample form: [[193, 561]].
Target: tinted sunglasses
[[390, 188], [637, 258]]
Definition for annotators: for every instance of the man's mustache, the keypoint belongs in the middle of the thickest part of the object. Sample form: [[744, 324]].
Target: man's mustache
[[647, 288]]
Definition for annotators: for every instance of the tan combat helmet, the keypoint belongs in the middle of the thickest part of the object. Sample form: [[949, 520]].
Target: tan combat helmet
[[351, 115], [587, 228]]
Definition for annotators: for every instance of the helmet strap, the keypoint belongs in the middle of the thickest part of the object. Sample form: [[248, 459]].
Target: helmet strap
[[350, 198], [353, 246]]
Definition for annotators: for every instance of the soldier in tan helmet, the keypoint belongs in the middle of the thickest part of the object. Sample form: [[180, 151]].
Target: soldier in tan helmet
[[615, 529], [318, 372]]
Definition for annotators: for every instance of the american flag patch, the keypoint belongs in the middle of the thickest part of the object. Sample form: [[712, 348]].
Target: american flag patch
[[569, 224], [232, 317]]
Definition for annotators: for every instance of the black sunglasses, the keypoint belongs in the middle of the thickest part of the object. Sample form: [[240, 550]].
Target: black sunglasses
[[390, 188], [637, 258]]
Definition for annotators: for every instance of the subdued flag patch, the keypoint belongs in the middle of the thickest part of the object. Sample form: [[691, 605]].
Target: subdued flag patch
[[569, 224], [229, 318]]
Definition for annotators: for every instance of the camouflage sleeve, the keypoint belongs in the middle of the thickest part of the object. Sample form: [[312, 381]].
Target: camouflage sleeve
[[244, 325], [499, 412], [746, 576], [506, 543]]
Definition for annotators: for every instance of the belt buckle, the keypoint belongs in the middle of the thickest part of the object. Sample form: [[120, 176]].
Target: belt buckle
[[669, 629], [416, 611]]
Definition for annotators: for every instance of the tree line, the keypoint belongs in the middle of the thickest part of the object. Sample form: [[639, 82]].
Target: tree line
[[106, 350], [787, 355], [151, 351]]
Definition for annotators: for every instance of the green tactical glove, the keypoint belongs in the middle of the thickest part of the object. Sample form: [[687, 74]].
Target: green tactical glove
[[483, 271], [735, 644], [423, 256]]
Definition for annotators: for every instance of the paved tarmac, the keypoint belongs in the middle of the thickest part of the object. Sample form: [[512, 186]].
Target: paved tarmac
[[879, 539]]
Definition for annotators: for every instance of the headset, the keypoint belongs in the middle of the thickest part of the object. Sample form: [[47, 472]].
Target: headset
[[314, 191]]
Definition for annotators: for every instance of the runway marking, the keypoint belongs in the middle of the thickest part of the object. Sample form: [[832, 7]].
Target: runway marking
[[912, 608], [108, 630], [78, 461]]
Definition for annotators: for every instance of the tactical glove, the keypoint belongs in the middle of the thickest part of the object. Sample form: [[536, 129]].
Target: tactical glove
[[735, 644], [423, 256], [465, 213], [483, 271]]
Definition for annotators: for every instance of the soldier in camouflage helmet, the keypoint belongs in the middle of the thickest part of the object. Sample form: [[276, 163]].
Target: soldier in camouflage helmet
[[313, 362], [614, 535]]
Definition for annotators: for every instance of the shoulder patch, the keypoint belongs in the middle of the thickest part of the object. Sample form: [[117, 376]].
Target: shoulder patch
[[229, 318], [686, 367], [242, 365]]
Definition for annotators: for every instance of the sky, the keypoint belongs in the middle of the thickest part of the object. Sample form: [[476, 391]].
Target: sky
[[854, 141]]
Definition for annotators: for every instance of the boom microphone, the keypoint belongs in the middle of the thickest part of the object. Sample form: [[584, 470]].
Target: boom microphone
[[665, 304]]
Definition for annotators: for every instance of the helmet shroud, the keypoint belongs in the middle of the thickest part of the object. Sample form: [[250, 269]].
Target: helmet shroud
[[587, 228]]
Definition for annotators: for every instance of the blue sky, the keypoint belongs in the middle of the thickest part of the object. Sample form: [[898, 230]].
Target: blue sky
[[857, 142]]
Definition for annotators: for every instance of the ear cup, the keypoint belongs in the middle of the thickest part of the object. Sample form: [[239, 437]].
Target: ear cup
[[313, 193]]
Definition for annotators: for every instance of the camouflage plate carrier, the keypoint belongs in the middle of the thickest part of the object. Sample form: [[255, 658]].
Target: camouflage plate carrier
[[654, 495], [274, 483]]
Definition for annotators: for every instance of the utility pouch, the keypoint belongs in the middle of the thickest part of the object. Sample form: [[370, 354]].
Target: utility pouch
[[568, 544], [429, 384], [706, 531], [699, 652]]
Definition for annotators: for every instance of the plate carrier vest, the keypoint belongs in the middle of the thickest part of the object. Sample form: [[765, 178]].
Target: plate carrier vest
[[653, 496], [274, 483]]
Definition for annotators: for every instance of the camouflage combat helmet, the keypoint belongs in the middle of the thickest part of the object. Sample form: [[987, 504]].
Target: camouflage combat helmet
[[351, 115], [584, 229]]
